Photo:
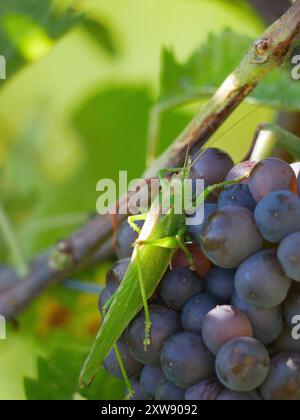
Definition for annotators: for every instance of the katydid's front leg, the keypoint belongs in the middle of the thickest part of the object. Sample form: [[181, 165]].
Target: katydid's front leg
[[138, 217]]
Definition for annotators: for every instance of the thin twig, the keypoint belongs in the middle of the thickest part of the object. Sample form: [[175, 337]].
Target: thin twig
[[266, 54]]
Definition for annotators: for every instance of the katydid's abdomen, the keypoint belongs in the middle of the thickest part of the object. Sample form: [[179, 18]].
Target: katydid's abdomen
[[128, 300]]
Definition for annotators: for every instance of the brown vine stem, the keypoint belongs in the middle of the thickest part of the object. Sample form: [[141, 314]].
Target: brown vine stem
[[265, 54]]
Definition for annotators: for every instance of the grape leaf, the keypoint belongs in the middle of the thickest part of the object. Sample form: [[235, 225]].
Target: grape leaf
[[209, 65], [29, 29], [57, 379]]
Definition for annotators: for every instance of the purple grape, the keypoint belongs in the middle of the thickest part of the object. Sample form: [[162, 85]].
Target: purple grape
[[208, 390], [224, 244], [278, 215], [285, 343], [126, 236], [266, 323], [195, 229], [228, 395], [243, 364], [116, 274], [185, 360], [292, 304], [138, 393], [271, 175], [239, 170], [195, 310], [169, 392], [219, 282], [165, 323], [237, 195], [289, 256], [212, 166], [283, 381], [132, 366], [151, 376], [104, 297], [178, 286], [260, 280], [223, 324]]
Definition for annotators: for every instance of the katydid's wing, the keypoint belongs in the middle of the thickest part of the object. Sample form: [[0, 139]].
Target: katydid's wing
[[126, 304], [128, 300]]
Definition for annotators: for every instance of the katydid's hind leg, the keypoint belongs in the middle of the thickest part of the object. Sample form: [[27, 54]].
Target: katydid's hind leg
[[145, 302], [129, 387], [132, 219]]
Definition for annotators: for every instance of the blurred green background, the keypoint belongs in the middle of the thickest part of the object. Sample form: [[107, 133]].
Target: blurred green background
[[75, 108]]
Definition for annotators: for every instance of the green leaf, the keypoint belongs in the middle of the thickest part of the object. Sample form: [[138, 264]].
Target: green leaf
[[208, 66], [57, 379], [101, 35], [29, 29]]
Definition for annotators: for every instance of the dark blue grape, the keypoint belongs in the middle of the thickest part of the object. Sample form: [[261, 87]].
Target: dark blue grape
[[138, 392], [289, 256], [277, 215], [125, 239], [195, 310], [266, 323], [219, 282], [292, 304], [271, 175], [285, 343], [229, 236], [228, 395], [116, 274], [283, 381], [213, 165], [239, 170], [223, 324], [208, 390], [185, 360], [169, 392], [243, 364], [165, 323], [260, 280], [178, 286], [132, 366], [151, 376], [237, 195], [104, 297], [195, 229]]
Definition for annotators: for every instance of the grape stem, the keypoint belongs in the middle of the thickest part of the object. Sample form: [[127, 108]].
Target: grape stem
[[83, 247], [271, 139]]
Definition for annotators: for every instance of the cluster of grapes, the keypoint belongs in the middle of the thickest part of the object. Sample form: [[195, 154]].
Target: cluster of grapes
[[223, 331]]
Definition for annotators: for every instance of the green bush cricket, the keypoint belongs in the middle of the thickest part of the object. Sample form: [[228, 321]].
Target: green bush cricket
[[160, 236]]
